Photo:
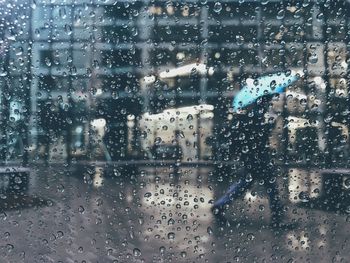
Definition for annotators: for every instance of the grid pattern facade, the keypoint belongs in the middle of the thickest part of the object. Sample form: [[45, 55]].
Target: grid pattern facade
[[93, 54]]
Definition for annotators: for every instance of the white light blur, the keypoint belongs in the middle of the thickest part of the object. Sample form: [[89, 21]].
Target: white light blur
[[344, 65], [318, 80], [186, 71], [98, 123], [98, 177]]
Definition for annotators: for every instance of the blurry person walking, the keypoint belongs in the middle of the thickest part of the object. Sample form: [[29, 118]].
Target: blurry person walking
[[249, 141]]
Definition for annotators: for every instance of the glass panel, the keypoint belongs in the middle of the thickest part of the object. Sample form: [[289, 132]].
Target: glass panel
[[174, 131]]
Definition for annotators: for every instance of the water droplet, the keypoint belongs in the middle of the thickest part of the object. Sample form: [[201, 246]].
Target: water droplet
[[240, 40], [60, 188], [143, 135], [209, 230], [81, 209], [347, 209], [171, 221], [33, 5], [347, 183], [304, 197], [313, 58], [37, 32], [303, 102], [181, 134], [297, 14], [320, 16], [3, 216], [96, 64], [60, 234], [290, 96], [148, 194], [281, 14], [18, 180], [48, 62], [250, 236], [157, 141], [9, 247], [217, 7], [245, 149], [63, 13], [171, 235], [249, 178], [19, 51], [68, 29], [162, 250], [3, 72], [136, 252], [116, 172], [273, 84]]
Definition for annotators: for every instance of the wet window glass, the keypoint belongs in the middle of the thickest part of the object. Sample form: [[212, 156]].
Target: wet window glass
[[174, 131]]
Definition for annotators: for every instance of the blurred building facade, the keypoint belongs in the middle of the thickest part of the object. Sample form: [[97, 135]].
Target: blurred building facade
[[67, 64]]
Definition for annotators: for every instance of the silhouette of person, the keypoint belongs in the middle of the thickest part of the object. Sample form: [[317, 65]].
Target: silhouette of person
[[248, 139]]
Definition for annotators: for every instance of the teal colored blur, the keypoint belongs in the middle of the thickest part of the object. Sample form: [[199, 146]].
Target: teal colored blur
[[265, 85]]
